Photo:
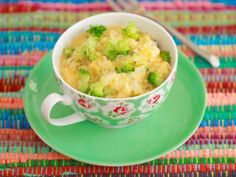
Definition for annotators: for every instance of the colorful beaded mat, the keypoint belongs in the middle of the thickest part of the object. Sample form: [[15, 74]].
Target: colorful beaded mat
[[29, 28]]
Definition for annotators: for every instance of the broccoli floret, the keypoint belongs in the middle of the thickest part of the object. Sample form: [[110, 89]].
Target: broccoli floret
[[87, 49], [90, 49], [96, 89], [131, 31], [114, 49], [68, 51], [165, 55], [83, 71], [122, 47], [125, 68], [84, 78], [154, 79], [97, 30], [112, 54]]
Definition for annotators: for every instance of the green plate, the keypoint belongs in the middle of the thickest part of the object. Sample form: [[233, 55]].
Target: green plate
[[166, 129]]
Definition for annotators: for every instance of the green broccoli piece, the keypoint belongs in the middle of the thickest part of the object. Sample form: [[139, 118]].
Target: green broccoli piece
[[96, 31], [165, 55], [114, 49], [96, 89], [90, 49], [154, 78], [83, 71], [111, 54], [131, 31], [125, 68], [84, 78], [68, 51], [122, 47]]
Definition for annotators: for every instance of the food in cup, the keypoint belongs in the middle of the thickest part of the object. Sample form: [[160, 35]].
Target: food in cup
[[114, 62], [107, 111]]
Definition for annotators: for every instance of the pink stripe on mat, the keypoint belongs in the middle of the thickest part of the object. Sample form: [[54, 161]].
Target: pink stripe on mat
[[222, 50], [24, 59], [207, 133], [201, 153], [11, 103], [221, 71], [220, 99], [31, 58], [217, 132], [10, 157], [99, 6]]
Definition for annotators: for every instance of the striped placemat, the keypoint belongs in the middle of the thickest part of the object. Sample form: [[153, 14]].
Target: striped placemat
[[29, 28]]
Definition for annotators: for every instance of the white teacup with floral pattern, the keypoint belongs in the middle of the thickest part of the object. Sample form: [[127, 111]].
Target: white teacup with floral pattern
[[109, 112]]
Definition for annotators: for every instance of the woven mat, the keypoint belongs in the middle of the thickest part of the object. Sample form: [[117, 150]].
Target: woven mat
[[29, 28]]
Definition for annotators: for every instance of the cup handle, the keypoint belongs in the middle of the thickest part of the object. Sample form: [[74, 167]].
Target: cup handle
[[50, 101]]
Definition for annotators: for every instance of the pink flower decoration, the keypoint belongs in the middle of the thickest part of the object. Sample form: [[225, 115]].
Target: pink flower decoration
[[82, 102], [118, 110], [153, 100], [121, 110]]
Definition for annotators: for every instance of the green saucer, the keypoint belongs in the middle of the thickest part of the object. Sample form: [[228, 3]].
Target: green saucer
[[165, 130]]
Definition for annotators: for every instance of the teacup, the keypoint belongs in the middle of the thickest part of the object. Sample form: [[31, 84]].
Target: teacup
[[109, 112]]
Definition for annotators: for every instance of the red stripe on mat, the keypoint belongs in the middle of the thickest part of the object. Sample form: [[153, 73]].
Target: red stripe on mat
[[221, 86], [12, 84], [17, 83], [18, 135]]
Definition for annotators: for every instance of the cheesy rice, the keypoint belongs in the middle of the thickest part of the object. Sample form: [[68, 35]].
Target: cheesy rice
[[114, 62]]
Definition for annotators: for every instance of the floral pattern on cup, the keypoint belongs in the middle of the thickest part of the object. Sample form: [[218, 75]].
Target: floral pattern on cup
[[118, 110], [171, 80], [152, 101], [59, 82], [133, 120], [87, 104], [96, 119]]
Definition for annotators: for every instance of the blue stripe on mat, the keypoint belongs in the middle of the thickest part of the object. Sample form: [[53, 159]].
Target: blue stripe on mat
[[225, 2], [28, 36], [214, 117], [46, 41]]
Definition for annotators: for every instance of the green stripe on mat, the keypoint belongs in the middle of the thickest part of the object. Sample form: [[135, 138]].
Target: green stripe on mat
[[44, 163], [15, 68], [165, 161], [195, 160], [11, 94], [225, 62], [221, 108], [57, 20]]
